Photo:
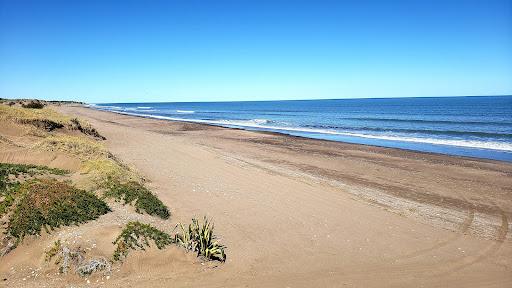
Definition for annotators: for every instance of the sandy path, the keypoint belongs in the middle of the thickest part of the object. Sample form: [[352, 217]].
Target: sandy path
[[305, 213]]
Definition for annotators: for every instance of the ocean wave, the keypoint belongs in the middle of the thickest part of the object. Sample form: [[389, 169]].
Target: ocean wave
[[424, 121], [144, 107], [185, 111], [245, 122], [107, 107], [418, 131], [490, 145]]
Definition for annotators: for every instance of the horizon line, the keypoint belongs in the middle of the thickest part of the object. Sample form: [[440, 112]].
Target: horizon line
[[283, 100]]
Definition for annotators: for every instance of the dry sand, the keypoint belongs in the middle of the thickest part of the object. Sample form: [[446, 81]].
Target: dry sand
[[297, 212]]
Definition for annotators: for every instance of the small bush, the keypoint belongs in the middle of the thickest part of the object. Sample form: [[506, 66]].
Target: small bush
[[134, 192], [137, 235], [199, 238], [33, 105], [48, 204]]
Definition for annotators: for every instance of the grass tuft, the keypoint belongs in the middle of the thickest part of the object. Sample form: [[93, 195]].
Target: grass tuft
[[199, 238], [135, 194], [136, 236]]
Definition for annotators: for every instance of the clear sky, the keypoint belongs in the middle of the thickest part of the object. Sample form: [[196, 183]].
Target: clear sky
[[138, 51]]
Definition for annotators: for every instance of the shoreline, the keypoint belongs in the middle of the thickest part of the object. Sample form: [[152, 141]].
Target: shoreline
[[409, 217], [462, 157], [395, 144]]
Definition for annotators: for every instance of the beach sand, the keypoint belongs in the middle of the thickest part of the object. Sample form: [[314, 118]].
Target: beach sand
[[298, 212]]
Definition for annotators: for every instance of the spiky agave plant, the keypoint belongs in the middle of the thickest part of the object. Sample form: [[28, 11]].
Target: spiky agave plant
[[199, 238]]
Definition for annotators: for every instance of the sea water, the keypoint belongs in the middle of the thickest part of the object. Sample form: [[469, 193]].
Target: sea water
[[465, 126]]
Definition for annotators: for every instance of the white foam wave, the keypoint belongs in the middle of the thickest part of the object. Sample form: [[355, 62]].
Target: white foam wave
[[490, 145], [252, 122], [144, 107], [110, 107], [185, 111]]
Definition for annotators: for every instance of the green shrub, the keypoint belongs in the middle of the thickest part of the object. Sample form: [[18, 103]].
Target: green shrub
[[17, 169], [131, 192], [199, 238], [9, 186], [49, 204], [137, 235]]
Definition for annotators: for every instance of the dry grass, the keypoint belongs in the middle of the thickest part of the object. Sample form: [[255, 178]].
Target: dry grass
[[28, 116], [46, 119], [105, 170], [80, 146]]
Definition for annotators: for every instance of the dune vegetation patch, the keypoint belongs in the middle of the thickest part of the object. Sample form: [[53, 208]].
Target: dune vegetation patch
[[48, 204], [137, 195], [137, 236], [12, 174]]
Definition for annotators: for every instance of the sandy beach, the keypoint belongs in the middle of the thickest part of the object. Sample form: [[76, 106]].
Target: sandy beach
[[297, 212]]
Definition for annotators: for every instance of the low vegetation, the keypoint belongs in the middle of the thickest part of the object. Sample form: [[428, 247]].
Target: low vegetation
[[49, 204], [45, 118], [10, 182], [136, 236], [33, 105], [106, 170], [67, 258], [139, 196], [82, 147], [199, 237]]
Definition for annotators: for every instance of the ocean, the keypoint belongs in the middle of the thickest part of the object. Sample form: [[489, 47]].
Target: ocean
[[466, 126]]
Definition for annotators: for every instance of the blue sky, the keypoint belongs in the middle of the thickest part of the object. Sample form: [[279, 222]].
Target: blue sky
[[137, 51]]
